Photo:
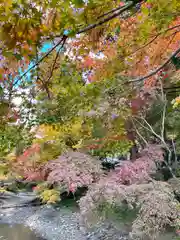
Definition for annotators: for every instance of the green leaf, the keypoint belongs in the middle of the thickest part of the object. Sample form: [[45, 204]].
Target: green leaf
[[118, 29], [7, 54], [71, 33], [54, 2], [0, 81], [78, 3], [145, 10], [18, 56], [176, 62], [29, 41]]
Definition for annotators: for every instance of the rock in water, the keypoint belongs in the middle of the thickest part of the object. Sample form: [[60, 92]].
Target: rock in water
[[10, 200]]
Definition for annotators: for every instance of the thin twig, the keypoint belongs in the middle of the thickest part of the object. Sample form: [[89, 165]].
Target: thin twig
[[150, 129], [154, 38], [37, 63], [138, 133], [164, 109], [109, 12], [173, 87], [45, 83], [175, 154], [156, 70], [123, 9], [163, 119], [55, 60]]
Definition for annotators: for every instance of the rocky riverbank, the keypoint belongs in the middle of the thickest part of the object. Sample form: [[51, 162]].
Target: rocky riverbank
[[55, 223], [51, 223]]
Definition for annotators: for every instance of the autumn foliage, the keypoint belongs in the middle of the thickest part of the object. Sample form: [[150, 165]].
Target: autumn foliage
[[106, 86], [73, 170], [28, 164], [139, 170]]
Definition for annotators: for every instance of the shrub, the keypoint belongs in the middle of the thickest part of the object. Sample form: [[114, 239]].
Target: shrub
[[73, 170], [3, 171], [140, 170], [2, 190], [175, 183], [131, 187], [46, 193], [50, 196], [155, 202], [177, 224], [29, 164]]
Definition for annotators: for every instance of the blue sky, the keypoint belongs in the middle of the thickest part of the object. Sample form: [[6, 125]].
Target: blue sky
[[46, 47]]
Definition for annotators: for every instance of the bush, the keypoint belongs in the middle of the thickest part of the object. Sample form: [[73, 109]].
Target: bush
[[140, 170], [29, 164], [155, 202], [73, 170], [131, 187]]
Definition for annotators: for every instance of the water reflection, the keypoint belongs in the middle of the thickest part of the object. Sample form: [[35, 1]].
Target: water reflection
[[16, 232]]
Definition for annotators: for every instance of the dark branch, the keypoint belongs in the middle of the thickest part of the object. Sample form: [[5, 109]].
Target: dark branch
[[55, 60], [91, 26], [109, 12], [154, 38], [45, 84], [173, 87], [171, 92], [46, 55], [116, 14], [156, 70]]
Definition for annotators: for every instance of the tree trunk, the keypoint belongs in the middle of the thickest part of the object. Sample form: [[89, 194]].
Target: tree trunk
[[132, 137]]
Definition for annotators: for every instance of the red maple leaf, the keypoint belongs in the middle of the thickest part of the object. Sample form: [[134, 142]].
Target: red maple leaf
[[88, 62]]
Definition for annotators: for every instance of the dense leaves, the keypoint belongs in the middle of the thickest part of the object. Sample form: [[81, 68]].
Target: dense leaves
[[84, 80], [73, 170], [154, 202]]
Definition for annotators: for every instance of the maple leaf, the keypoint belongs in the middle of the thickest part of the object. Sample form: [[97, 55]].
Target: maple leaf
[[88, 62]]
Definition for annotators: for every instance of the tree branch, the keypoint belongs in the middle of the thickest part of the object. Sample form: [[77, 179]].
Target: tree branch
[[175, 154], [45, 83], [173, 87], [138, 133], [46, 55], [55, 60], [156, 70], [164, 109], [91, 26], [109, 12], [154, 38], [163, 119], [172, 93], [150, 129], [123, 9]]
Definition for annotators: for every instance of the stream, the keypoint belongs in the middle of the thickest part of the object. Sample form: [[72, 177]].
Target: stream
[[16, 232], [20, 219]]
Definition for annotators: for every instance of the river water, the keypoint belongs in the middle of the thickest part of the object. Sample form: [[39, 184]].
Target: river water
[[16, 232], [20, 232]]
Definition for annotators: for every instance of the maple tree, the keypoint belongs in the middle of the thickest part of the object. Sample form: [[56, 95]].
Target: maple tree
[[137, 34], [104, 87]]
